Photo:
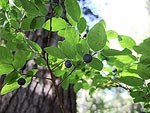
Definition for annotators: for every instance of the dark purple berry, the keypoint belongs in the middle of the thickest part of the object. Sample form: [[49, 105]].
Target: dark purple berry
[[68, 63], [87, 58], [21, 81], [114, 70]]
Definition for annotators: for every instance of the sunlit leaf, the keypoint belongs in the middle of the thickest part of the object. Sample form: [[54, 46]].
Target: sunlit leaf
[[34, 46], [55, 52], [71, 21], [114, 52], [5, 55], [97, 37], [70, 34], [68, 49], [82, 47], [131, 81], [143, 71], [4, 3], [81, 25], [20, 59], [57, 24], [111, 34], [143, 48], [6, 68], [126, 41], [77, 87], [73, 9], [96, 64], [9, 87]]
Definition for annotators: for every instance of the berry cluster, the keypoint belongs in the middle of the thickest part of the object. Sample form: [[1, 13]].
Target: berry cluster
[[87, 58]]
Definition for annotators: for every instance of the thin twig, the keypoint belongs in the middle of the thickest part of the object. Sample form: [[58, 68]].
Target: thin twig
[[67, 76], [57, 65], [126, 88], [43, 77], [54, 83]]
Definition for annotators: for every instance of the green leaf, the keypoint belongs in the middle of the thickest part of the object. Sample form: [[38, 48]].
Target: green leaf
[[81, 25], [85, 85], [20, 59], [139, 99], [103, 23], [70, 34], [126, 41], [73, 9], [26, 23], [15, 24], [12, 77], [57, 24], [145, 59], [37, 23], [6, 68], [92, 91], [71, 21], [127, 59], [99, 80], [143, 48], [113, 52], [131, 81], [58, 10], [143, 71], [34, 46], [55, 52], [30, 8], [77, 87], [41, 7], [137, 93], [111, 34], [96, 64], [5, 55], [118, 64], [4, 3], [82, 48], [68, 49], [97, 37], [9, 87], [32, 72]]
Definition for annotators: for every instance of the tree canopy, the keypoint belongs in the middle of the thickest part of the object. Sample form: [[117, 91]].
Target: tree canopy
[[87, 61]]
